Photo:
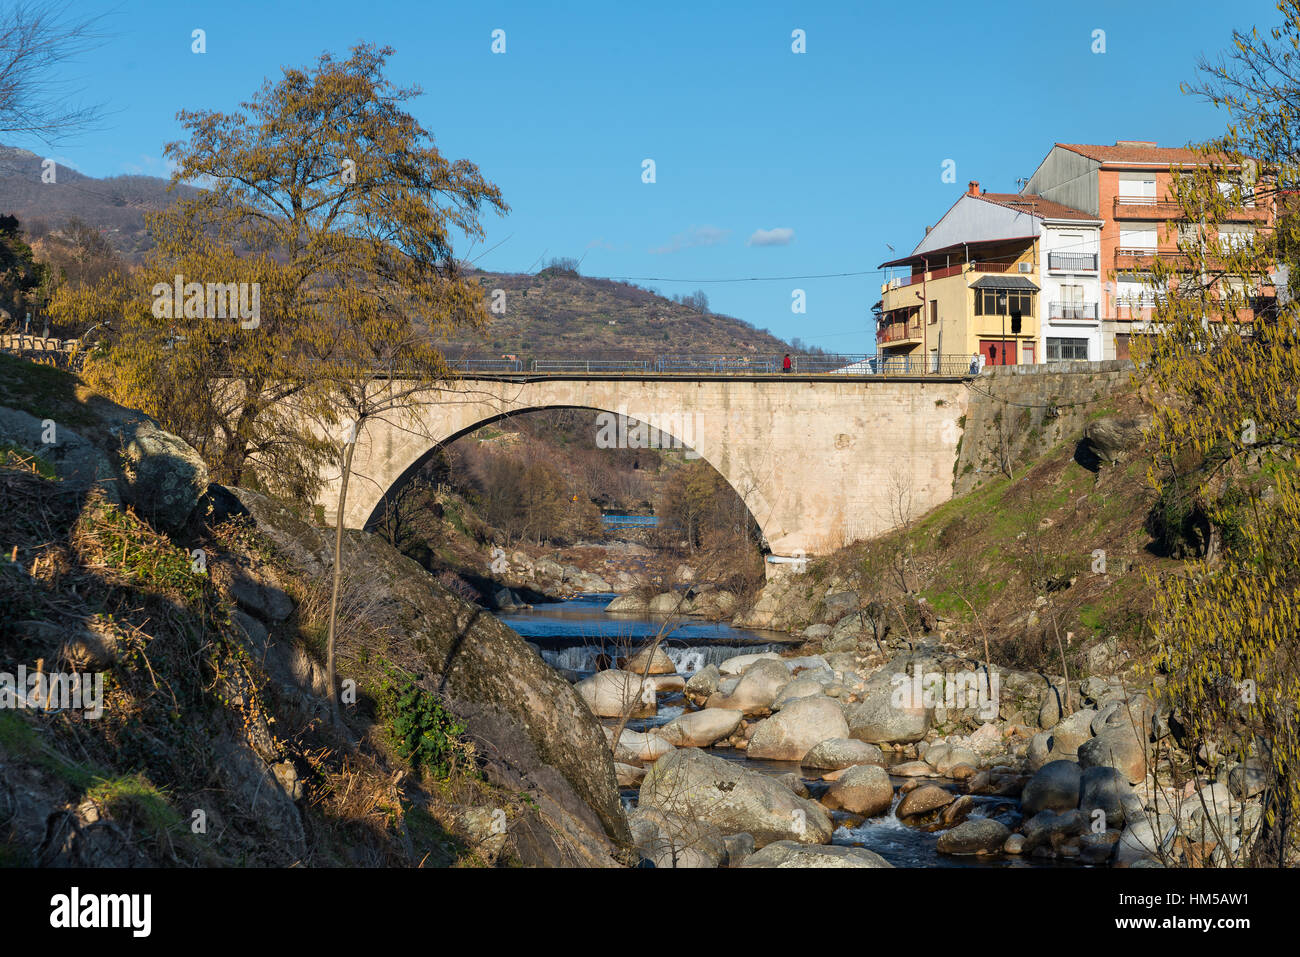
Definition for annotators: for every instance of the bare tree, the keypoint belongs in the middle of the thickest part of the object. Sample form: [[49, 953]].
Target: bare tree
[[37, 37]]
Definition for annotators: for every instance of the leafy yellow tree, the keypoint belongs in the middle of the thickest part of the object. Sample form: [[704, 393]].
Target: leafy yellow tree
[[1225, 365], [299, 295], [322, 238]]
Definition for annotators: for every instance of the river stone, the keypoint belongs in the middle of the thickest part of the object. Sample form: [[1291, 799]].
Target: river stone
[[862, 789], [1107, 789], [660, 663], [1049, 707], [628, 775], [1098, 848], [628, 604], [757, 688], [801, 687], [736, 664], [807, 665], [1116, 748], [696, 785], [791, 733], [977, 835], [836, 753], [951, 758], [1136, 715], [699, 729], [669, 603], [877, 721], [637, 746], [1054, 787], [1139, 841], [791, 854], [1071, 732], [815, 632], [704, 682], [613, 693], [667, 684], [923, 800], [911, 769]]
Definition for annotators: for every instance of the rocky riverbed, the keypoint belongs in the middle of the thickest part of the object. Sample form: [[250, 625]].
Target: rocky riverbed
[[901, 756]]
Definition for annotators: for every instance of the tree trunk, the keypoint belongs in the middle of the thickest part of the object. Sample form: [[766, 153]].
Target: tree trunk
[[338, 578]]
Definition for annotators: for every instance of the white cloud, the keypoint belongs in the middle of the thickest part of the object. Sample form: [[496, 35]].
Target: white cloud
[[695, 236], [781, 236]]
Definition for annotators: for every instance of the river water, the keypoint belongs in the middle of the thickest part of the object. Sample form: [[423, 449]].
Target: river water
[[577, 635]]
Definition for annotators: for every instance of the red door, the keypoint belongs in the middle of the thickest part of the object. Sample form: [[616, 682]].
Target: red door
[[998, 353]]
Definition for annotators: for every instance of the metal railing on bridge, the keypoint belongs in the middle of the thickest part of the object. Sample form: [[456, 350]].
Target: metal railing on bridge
[[848, 364]]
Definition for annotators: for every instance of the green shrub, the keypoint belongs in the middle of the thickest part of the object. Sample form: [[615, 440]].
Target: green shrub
[[422, 731]]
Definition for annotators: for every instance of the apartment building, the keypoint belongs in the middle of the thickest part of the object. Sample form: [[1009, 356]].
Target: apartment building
[[1011, 277], [1127, 188]]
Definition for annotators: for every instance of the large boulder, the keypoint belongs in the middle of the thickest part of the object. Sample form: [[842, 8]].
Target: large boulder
[[1113, 436], [1070, 732], [1107, 790], [924, 800], [791, 733], [835, 753], [703, 683], [804, 686], [738, 664], [791, 854], [877, 721], [757, 688], [614, 693], [630, 604], [657, 661], [636, 747], [863, 789], [976, 835], [699, 729], [536, 734], [1055, 787], [162, 477], [1118, 748], [696, 785]]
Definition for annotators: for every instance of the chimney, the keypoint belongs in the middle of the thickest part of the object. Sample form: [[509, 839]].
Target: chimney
[[1135, 143], [927, 230], [973, 188]]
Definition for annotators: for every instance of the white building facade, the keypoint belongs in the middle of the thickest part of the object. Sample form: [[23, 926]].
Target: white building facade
[[1071, 289]]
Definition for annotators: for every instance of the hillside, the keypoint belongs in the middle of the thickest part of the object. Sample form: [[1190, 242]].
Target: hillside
[[116, 205], [556, 314]]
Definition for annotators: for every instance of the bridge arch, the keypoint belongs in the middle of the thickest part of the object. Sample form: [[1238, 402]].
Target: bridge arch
[[813, 458]]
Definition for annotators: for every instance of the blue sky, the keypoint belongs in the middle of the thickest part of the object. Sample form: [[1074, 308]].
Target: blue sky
[[833, 153]]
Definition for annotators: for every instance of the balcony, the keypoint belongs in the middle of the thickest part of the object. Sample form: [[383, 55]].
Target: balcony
[[1072, 262], [1149, 208], [898, 332], [1072, 311], [916, 278]]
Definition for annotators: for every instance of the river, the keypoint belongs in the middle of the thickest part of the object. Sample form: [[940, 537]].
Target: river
[[576, 636]]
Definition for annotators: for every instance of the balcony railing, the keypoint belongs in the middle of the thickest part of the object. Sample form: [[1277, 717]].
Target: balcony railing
[[1148, 207], [898, 331], [1072, 310], [1072, 262]]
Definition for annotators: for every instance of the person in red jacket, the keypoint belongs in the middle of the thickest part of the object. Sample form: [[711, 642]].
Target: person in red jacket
[[785, 363]]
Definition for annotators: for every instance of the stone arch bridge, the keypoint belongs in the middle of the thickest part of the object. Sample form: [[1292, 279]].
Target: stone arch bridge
[[820, 460]]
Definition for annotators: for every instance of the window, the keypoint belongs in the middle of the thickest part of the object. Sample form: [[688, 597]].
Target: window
[[1139, 188], [1059, 349], [1233, 236], [934, 311], [1137, 237], [991, 302]]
